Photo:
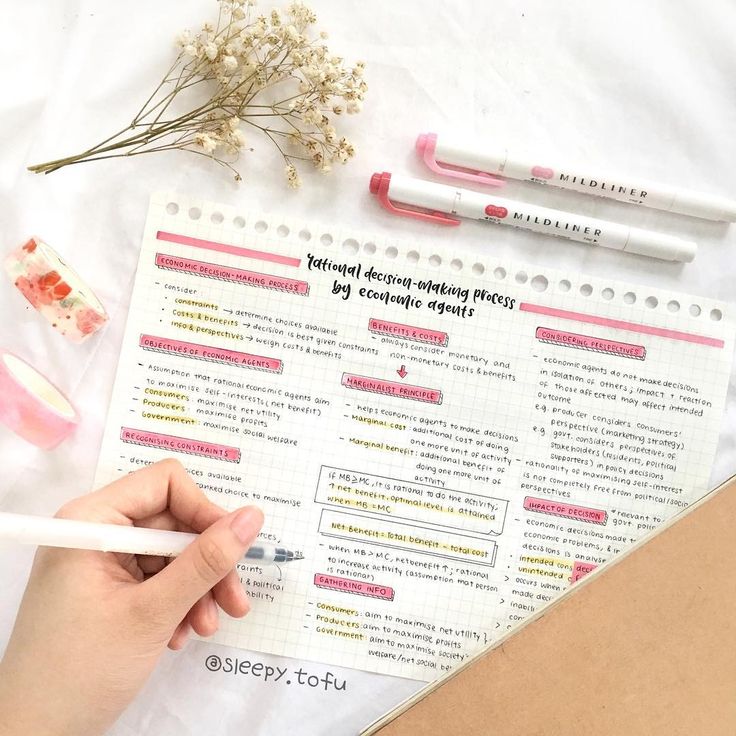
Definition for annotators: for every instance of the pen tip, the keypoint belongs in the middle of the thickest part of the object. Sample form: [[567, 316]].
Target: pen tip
[[298, 556]]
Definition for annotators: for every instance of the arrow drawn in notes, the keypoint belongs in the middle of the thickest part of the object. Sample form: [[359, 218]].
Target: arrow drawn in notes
[[402, 371]]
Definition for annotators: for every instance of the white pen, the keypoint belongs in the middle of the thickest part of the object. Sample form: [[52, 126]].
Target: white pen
[[438, 202], [52, 532], [485, 165]]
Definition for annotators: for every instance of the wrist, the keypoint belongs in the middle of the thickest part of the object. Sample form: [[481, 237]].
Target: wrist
[[15, 717], [25, 709]]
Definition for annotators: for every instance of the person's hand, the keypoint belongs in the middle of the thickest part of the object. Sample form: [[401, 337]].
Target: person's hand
[[92, 625]]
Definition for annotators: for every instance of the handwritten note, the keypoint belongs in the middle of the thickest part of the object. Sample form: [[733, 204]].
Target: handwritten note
[[450, 441]]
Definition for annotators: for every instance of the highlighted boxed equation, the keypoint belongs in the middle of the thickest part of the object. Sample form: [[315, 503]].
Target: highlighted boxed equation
[[392, 388], [427, 504], [383, 533], [357, 587]]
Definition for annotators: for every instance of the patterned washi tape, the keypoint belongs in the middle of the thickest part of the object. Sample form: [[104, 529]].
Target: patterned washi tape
[[55, 290]]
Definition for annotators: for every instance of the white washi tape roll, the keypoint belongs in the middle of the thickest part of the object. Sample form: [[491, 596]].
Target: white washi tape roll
[[55, 290], [31, 405]]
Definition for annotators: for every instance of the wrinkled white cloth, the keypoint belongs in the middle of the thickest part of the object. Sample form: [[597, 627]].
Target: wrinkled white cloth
[[645, 88]]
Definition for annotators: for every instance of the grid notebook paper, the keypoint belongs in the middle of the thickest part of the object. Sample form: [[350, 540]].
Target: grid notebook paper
[[450, 441]]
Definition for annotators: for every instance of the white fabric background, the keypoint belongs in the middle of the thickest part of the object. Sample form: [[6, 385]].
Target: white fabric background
[[642, 87]]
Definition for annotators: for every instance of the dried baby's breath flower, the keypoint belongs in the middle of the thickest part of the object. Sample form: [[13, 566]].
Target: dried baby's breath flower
[[206, 142], [292, 176], [271, 72]]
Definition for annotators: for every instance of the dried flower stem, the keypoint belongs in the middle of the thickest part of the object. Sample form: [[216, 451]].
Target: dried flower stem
[[242, 63]]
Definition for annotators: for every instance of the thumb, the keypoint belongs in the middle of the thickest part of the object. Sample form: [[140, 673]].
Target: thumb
[[207, 560]]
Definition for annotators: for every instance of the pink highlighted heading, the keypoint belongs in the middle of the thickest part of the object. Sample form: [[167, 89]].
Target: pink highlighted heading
[[237, 275], [621, 325], [587, 342], [391, 388], [235, 250], [419, 334], [179, 444], [580, 569], [357, 587], [205, 352], [568, 510]]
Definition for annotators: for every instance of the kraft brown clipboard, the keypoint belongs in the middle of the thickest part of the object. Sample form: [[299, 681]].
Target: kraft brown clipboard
[[644, 646]]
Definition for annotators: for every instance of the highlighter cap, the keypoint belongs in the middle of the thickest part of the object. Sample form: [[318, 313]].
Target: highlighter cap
[[427, 146], [381, 185], [708, 206], [658, 245]]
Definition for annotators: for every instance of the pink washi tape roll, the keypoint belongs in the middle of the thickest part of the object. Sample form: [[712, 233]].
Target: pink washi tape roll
[[31, 405], [55, 290]]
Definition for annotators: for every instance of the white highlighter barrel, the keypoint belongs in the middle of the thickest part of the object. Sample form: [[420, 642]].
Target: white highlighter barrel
[[53, 532], [441, 198], [484, 164]]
